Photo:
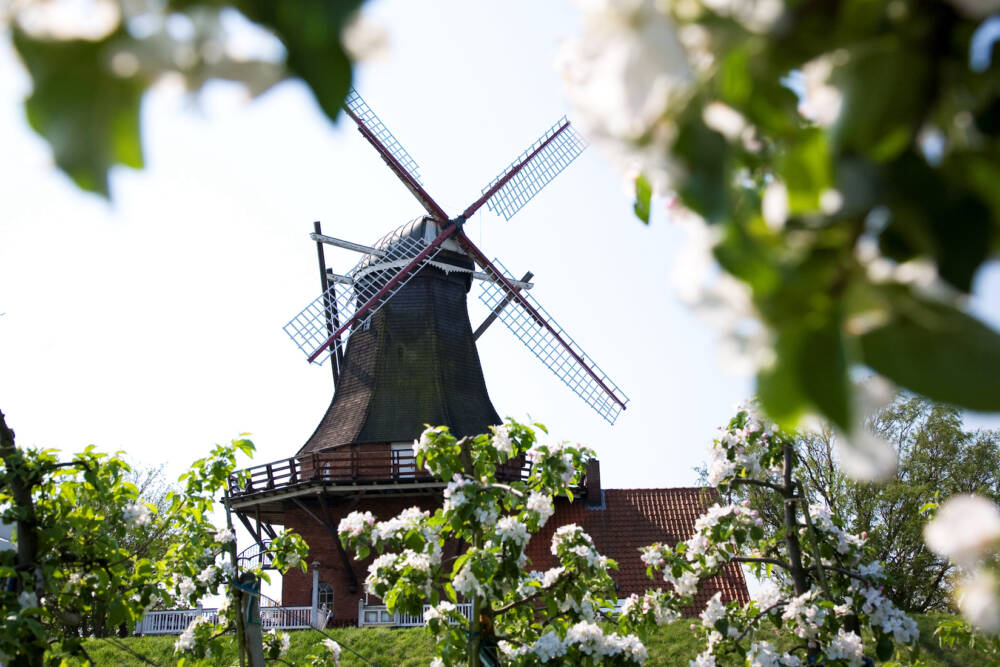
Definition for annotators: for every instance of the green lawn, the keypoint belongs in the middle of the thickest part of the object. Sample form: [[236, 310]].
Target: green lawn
[[672, 645]]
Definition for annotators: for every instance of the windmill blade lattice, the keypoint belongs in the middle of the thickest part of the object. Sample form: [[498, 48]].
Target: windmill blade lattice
[[363, 113], [559, 145], [555, 348], [365, 296]]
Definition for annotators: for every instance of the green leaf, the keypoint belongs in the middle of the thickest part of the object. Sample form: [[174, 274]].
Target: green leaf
[[89, 116], [823, 374], [310, 31], [938, 351], [806, 170], [643, 194], [884, 85], [778, 386], [884, 648]]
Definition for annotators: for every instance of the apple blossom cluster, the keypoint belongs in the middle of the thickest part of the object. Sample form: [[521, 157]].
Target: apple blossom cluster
[[137, 514], [585, 643], [186, 640], [649, 607], [541, 505], [966, 530]]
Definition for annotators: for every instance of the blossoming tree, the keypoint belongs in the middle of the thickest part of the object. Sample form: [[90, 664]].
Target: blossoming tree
[[70, 517], [819, 583], [524, 617]]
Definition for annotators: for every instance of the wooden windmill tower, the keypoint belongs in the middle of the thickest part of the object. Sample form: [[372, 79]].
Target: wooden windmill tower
[[396, 330], [435, 243]]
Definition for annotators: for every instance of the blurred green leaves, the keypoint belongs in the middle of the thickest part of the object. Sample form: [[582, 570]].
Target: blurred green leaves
[[89, 116], [86, 94], [937, 351], [847, 154]]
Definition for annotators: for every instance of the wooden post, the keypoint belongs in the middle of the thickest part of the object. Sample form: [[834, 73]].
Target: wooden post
[[293, 475], [332, 317], [241, 638], [250, 612]]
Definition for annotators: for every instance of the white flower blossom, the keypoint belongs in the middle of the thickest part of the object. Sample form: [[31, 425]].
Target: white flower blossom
[[846, 646], [625, 70], [510, 529], [714, 611], [208, 575], [137, 514], [966, 528], [225, 536], [185, 641], [466, 583], [501, 440], [541, 504], [440, 612], [979, 600], [334, 649], [822, 101], [355, 523], [704, 659], [548, 647], [399, 525]]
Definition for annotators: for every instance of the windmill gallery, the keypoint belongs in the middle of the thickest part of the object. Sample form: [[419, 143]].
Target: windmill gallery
[[397, 333]]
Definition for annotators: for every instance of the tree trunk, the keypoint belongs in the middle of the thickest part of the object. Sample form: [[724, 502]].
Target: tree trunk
[[27, 534]]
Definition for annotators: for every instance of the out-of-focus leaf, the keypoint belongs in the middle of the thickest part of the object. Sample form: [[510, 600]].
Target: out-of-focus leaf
[[936, 217], [885, 87], [89, 116], [823, 374], [779, 387], [311, 31], [938, 351], [806, 171], [643, 194], [704, 153]]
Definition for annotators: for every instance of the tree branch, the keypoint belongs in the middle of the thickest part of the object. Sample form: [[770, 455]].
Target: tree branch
[[758, 482], [758, 559]]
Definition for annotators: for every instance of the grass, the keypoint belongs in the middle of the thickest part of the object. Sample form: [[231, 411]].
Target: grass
[[670, 646]]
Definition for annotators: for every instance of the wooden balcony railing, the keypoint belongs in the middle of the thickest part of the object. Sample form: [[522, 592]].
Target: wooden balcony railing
[[347, 465]]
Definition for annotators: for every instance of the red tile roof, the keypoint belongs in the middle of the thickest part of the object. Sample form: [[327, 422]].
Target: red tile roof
[[634, 518]]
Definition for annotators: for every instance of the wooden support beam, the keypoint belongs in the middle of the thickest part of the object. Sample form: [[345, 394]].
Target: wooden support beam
[[246, 524], [352, 579]]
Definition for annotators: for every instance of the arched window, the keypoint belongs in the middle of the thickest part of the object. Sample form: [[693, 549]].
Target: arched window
[[325, 596]]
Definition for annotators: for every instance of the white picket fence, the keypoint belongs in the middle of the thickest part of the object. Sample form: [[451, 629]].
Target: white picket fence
[[378, 615], [173, 621]]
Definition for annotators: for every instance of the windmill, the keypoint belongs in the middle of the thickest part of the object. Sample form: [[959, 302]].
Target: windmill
[[348, 302]]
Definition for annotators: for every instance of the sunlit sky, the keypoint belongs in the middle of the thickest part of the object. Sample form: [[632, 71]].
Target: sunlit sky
[[153, 324]]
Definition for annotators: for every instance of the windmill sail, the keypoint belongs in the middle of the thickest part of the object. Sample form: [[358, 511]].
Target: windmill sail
[[363, 115], [385, 142], [373, 281], [534, 169], [541, 334]]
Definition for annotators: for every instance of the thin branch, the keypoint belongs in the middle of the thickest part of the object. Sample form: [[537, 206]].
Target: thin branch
[[505, 487], [854, 575], [757, 482], [757, 617]]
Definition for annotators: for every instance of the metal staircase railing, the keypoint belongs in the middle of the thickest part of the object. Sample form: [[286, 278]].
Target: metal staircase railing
[[257, 556]]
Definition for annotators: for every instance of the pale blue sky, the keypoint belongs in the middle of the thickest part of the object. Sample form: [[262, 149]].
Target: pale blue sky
[[153, 325]]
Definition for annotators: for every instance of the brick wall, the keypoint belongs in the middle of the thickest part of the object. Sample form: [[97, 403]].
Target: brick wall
[[296, 589]]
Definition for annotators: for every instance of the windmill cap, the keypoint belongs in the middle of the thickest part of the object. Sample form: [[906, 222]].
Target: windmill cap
[[415, 235]]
